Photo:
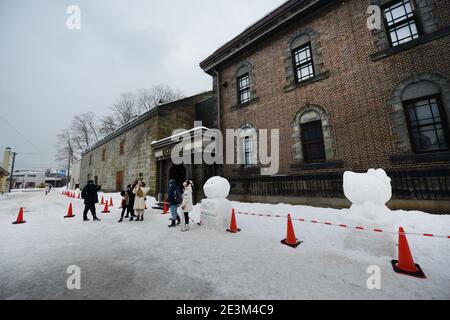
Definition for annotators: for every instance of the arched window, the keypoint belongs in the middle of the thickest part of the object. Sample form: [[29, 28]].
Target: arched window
[[421, 106], [426, 117], [243, 85], [248, 152], [312, 136], [248, 145], [302, 58]]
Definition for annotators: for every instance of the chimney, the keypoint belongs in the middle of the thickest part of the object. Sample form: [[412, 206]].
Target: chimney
[[5, 165]]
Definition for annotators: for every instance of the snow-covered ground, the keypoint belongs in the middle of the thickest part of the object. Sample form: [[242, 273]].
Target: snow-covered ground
[[147, 260]]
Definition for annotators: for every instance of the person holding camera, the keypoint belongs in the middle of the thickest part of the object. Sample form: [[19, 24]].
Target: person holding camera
[[140, 191]]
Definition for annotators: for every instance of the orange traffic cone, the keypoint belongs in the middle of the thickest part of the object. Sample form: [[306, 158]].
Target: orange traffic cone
[[111, 202], [69, 212], [19, 219], [233, 224], [165, 209], [103, 201], [291, 240], [106, 209], [405, 263]]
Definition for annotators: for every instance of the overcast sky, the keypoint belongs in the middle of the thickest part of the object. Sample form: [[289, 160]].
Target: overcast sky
[[49, 73]]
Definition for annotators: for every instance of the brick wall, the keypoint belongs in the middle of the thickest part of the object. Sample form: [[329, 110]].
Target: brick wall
[[355, 90]]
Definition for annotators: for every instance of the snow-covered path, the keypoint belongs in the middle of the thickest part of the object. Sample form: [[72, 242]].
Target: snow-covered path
[[147, 260]]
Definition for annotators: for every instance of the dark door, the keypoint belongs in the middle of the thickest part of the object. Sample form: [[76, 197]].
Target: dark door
[[119, 181]]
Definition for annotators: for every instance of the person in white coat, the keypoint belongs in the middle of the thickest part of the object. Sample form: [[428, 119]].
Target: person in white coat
[[187, 205], [139, 203]]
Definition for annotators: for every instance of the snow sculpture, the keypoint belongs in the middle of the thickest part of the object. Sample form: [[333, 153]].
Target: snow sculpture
[[216, 209], [369, 192]]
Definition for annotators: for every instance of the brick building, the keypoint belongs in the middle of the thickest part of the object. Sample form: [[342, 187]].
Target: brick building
[[344, 98], [137, 150]]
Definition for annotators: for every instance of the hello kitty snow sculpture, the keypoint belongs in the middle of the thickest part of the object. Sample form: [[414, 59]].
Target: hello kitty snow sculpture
[[369, 192], [216, 209]]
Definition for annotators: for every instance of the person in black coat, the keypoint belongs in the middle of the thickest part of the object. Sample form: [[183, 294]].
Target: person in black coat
[[132, 197], [90, 196]]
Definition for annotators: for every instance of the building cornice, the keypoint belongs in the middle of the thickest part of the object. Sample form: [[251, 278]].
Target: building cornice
[[270, 23]]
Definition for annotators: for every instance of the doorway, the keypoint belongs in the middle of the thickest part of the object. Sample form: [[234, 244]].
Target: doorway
[[178, 173], [119, 181]]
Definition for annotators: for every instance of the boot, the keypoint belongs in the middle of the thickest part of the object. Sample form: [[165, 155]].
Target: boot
[[138, 219], [185, 228], [178, 221], [97, 219], [172, 225], [142, 218], [131, 219], [121, 219]]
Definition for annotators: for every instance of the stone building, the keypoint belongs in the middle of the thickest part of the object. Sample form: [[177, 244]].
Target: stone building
[[345, 97], [133, 152]]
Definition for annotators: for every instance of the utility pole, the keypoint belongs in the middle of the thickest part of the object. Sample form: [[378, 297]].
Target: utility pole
[[12, 171], [68, 171]]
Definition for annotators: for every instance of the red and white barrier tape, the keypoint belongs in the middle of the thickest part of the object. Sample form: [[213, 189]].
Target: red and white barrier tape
[[344, 225]]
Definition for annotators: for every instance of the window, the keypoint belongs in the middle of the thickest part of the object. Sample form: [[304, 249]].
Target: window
[[401, 22], [90, 159], [103, 154], [427, 124], [303, 63], [248, 152], [244, 88], [122, 147], [312, 142]]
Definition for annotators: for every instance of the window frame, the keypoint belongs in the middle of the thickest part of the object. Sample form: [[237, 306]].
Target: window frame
[[444, 123], [122, 147], [414, 18], [305, 144], [246, 89], [294, 63], [103, 154], [250, 153]]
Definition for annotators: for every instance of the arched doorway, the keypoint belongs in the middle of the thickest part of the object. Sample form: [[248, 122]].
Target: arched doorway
[[178, 173]]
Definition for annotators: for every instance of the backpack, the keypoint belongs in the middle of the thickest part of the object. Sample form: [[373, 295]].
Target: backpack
[[177, 196], [140, 193]]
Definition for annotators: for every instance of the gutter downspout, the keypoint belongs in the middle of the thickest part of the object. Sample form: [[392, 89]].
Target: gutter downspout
[[219, 125], [219, 117]]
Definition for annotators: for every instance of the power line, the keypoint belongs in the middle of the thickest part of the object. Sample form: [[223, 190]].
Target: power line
[[20, 134]]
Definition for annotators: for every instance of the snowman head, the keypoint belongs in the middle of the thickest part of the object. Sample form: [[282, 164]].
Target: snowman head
[[217, 188]]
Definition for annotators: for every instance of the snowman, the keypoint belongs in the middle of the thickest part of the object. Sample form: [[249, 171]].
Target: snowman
[[216, 209], [369, 192]]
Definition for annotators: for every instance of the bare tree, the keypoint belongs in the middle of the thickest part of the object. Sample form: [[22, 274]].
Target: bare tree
[[65, 150], [149, 98], [84, 130], [130, 105], [65, 147], [124, 110]]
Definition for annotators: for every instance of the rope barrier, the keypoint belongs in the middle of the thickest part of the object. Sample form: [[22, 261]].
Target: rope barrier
[[360, 228]]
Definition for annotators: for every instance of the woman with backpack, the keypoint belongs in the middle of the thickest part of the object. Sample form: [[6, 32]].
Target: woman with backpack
[[139, 203], [187, 205], [175, 199]]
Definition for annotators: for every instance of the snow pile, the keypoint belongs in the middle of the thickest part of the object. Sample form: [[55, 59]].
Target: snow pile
[[216, 210], [369, 192]]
